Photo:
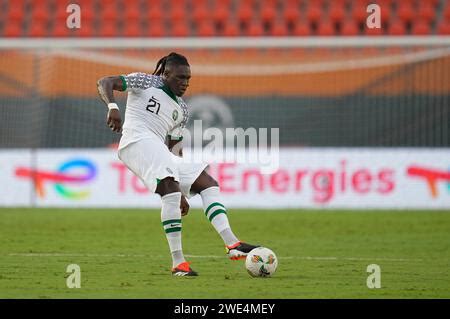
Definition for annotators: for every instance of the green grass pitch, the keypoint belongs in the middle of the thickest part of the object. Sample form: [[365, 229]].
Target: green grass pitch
[[123, 253]]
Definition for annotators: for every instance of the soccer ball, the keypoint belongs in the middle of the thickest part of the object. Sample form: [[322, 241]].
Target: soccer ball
[[261, 262]]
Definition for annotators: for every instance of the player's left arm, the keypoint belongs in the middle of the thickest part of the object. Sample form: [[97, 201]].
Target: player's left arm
[[174, 138], [175, 146]]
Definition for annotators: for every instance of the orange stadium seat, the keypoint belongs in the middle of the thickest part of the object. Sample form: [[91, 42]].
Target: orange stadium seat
[[60, 30], [279, 29], [86, 30], [405, 11], [60, 14], [313, 13], [291, 13], [39, 3], [221, 13], [336, 12], [180, 29], [271, 3], [88, 13], [16, 4], [109, 14], [200, 14], [104, 4], [386, 14], [291, 3], [154, 2], [132, 28], [13, 29], [247, 2], [447, 12], [206, 29], [156, 29], [231, 29], [108, 29], [326, 28], [349, 28], [40, 14], [301, 29], [244, 13], [397, 27], [82, 3], [132, 12], [38, 29], [358, 13], [373, 31], [427, 11], [200, 3], [385, 3], [268, 14], [36, 18], [255, 29], [421, 27], [444, 28], [177, 12], [432, 2], [154, 12], [178, 3], [15, 14], [315, 3]]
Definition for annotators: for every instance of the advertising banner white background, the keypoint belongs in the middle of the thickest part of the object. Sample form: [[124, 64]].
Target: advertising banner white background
[[306, 178]]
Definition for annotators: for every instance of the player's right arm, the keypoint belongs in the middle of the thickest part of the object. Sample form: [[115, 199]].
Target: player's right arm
[[132, 82], [105, 88]]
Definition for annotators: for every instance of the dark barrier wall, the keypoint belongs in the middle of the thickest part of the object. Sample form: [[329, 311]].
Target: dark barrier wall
[[356, 120]]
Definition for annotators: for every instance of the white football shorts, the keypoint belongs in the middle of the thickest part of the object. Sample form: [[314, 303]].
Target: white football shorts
[[151, 161]]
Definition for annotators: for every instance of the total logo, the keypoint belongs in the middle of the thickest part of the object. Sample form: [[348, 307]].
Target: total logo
[[431, 176], [74, 172]]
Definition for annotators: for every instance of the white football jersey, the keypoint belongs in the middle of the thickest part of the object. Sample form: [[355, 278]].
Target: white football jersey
[[151, 109]]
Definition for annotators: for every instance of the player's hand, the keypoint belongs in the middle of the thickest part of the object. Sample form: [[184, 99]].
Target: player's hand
[[184, 206], [114, 121]]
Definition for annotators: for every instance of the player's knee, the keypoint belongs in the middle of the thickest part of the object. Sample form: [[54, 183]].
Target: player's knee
[[171, 201], [208, 180], [203, 182], [166, 186], [213, 182]]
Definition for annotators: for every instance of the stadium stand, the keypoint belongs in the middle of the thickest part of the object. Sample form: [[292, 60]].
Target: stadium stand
[[155, 18]]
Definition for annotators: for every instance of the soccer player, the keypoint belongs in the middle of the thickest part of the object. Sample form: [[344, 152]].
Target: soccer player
[[155, 112]]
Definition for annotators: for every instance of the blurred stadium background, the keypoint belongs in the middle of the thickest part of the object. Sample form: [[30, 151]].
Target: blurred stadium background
[[313, 69], [321, 92], [363, 118]]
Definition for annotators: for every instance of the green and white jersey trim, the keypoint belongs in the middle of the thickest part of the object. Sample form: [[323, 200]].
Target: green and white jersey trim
[[140, 80]]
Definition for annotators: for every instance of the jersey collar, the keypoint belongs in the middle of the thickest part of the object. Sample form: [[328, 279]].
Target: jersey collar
[[169, 92]]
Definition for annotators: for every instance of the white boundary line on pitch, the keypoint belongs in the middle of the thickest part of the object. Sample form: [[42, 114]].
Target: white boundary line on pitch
[[211, 256]]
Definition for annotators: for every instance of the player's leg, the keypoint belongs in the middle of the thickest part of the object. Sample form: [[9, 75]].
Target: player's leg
[[213, 207], [150, 160], [170, 193], [215, 211]]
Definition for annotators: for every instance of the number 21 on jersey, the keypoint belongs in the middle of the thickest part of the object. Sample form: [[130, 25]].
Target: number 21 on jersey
[[153, 105]]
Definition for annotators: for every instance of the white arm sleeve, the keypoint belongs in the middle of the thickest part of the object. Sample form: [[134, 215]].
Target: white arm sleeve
[[140, 81]]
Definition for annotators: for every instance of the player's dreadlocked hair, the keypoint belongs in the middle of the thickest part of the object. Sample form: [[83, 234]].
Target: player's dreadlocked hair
[[172, 58]]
